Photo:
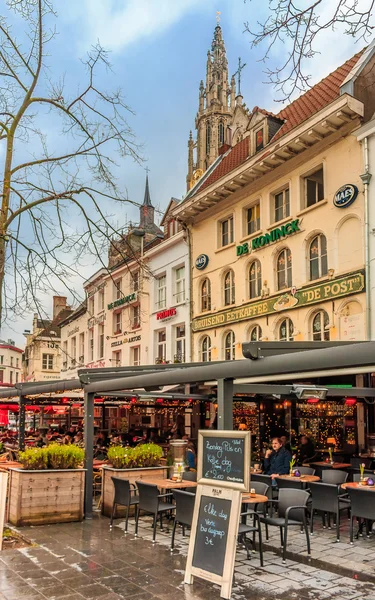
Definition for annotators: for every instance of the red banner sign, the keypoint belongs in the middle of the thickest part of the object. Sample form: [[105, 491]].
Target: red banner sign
[[166, 314]]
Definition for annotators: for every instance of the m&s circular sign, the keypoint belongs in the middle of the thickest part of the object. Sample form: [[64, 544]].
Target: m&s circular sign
[[345, 195], [201, 262]]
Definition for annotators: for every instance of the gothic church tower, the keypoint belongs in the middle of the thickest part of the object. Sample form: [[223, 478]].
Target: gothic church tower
[[217, 101]]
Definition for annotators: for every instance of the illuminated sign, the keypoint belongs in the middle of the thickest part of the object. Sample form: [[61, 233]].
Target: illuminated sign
[[345, 195], [166, 314], [202, 262]]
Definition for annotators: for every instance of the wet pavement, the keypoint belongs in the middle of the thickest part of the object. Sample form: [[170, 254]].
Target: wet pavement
[[86, 560]]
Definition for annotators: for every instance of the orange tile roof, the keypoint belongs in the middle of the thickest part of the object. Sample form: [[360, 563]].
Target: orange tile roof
[[319, 96]]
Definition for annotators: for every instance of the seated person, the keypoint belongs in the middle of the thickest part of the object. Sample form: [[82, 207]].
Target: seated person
[[306, 450], [286, 442], [190, 455], [277, 460]]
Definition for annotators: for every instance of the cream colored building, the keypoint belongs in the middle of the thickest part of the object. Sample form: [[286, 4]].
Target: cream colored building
[[277, 224], [42, 355], [10, 363]]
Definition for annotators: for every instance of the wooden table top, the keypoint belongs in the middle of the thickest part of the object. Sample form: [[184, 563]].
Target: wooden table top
[[11, 464], [255, 499], [356, 484], [168, 484], [328, 465], [307, 478]]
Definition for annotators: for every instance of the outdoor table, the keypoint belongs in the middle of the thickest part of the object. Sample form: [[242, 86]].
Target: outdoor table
[[303, 478], [356, 484], [329, 465], [169, 484], [255, 499]]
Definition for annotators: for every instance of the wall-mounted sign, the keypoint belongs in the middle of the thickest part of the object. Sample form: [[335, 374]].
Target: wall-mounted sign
[[353, 283], [166, 314], [126, 340], [202, 262], [99, 364], [345, 195], [73, 331], [268, 238], [123, 300], [96, 320]]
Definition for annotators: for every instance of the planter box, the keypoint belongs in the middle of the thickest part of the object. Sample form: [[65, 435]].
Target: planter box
[[108, 490], [43, 497]]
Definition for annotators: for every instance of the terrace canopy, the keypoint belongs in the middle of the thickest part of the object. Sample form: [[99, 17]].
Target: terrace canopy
[[266, 362]]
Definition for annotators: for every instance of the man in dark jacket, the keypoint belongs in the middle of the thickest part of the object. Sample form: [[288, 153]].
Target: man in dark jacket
[[306, 450], [277, 460]]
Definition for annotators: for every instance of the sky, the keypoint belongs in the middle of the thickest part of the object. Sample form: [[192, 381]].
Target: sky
[[158, 50]]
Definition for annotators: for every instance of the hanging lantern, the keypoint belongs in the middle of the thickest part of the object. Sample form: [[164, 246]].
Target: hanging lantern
[[350, 401], [312, 400]]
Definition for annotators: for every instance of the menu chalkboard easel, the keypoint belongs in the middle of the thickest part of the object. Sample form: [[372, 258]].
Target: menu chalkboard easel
[[223, 474]]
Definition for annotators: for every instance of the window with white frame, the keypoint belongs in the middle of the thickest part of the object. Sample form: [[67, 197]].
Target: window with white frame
[[253, 219], [135, 353], [117, 286], [101, 340], [180, 284], [255, 279], [91, 305], [318, 257], [136, 316], [206, 349], [226, 231], [117, 322], [73, 349], [320, 327], [256, 333], [205, 295], [281, 205], [101, 299], [229, 288], [82, 347], [161, 345], [286, 331], [135, 281], [230, 346], [47, 362], [161, 292], [284, 269], [180, 339], [314, 187], [91, 345], [116, 358]]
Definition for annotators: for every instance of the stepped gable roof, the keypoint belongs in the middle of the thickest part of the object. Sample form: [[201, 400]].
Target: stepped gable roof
[[319, 96]]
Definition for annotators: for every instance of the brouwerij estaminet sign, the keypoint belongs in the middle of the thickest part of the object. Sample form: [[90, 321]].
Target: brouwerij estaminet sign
[[353, 283]]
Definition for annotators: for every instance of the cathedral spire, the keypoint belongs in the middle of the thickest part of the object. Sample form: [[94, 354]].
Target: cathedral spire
[[147, 198]]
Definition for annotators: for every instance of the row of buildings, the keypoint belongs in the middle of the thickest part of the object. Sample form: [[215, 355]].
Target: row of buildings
[[274, 239]]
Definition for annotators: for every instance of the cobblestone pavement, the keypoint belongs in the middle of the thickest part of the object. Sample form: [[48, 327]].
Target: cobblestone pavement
[[86, 560]]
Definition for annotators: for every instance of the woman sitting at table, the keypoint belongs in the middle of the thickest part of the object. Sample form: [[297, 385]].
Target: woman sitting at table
[[277, 460]]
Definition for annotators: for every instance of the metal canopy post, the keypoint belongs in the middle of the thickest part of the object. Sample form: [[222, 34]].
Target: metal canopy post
[[225, 403], [89, 450], [21, 423]]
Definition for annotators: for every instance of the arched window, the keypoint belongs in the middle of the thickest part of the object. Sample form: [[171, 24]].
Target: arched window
[[206, 295], [230, 346], [206, 349], [320, 324], [286, 330], [255, 279], [208, 137], [284, 269], [255, 333], [318, 257], [220, 132], [229, 290]]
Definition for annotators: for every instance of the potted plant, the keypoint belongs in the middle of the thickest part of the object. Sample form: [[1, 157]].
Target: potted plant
[[49, 488], [140, 462]]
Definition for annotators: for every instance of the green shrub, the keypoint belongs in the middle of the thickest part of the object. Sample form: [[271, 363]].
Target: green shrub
[[34, 459], [52, 457], [144, 455]]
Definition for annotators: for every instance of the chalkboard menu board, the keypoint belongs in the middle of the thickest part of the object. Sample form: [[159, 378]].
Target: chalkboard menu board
[[211, 534], [224, 458]]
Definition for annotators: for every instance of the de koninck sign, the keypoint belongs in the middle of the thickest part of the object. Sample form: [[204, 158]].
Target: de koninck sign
[[343, 286]]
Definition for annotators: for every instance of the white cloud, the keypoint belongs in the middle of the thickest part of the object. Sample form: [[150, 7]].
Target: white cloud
[[118, 26]]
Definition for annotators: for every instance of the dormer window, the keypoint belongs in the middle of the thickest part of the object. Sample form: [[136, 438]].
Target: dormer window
[[259, 139]]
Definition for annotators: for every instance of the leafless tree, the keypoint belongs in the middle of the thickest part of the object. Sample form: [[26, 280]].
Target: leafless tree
[[58, 162], [298, 24]]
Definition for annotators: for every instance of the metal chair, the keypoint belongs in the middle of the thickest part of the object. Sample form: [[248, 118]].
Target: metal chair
[[254, 477], [334, 476], [244, 528], [184, 511], [261, 489], [124, 491], [153, 503], [325, 497], [292, 511], [357, 476], [306, 470], [289, 483], [189, 475], [362, 507]]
